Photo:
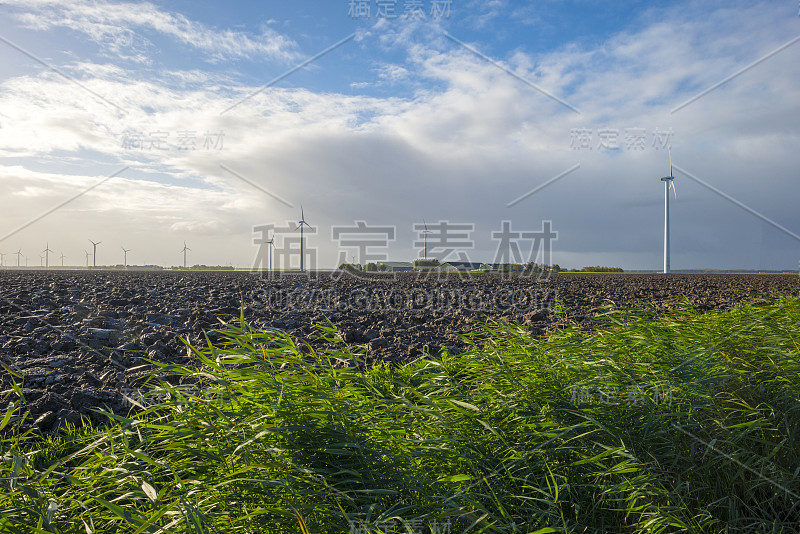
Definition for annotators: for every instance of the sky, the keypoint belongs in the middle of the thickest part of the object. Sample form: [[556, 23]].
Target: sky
[[152, 126]]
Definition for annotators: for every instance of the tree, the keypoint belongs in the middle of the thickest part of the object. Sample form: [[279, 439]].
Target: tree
[[426, 264], [599, 269]]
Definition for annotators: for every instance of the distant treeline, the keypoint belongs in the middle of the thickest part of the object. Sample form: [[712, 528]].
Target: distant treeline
[[599, 269]]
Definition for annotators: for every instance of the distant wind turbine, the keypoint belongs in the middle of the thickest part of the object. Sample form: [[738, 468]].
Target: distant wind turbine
[[669, 181], [2, 258], [271, 244], [47, 252], [87, 258], [126, 256], [19, 255], [300, 227], [185, 248], [94, 252], [62, 259], [425, 237]]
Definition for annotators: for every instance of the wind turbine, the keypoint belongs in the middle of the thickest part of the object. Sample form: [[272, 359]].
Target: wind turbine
[[669, 181], [271, 244], [62, 259], [185, 248], [19, 255], [87, 258], [425, 237], [47, 252], [94, 252], [2, 258], [300, 227], [124, 250]]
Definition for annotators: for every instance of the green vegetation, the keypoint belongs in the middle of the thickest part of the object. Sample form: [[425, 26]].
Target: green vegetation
[[686, 422], [536, 268], [599, 269], [426, 264]]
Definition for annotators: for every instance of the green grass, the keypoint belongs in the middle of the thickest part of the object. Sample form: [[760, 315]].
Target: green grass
[[681, 423]]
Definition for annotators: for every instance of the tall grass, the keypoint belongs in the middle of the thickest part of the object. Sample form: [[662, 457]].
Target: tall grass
[[681, 423]]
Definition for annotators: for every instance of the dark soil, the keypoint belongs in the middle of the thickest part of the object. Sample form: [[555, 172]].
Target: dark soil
[[79, 338]]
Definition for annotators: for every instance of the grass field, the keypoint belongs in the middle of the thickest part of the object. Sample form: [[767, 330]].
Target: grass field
[[681, 423]]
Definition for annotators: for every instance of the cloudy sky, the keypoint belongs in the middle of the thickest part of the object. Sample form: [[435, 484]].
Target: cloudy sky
[[147, 125]]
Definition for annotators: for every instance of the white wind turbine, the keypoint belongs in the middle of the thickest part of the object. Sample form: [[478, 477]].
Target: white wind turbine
[[2, 258], [185, 248], [300, 227], [47, 252], [62, 259], [94, 252], [271, 244], [125, 251], [669, 181], [19, 255], [87, 258]]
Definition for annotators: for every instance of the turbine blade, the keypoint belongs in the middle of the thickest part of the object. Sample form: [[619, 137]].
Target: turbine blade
[[672, 185]]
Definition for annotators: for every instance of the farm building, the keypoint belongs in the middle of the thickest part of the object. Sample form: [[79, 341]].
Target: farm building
[[396, 266]]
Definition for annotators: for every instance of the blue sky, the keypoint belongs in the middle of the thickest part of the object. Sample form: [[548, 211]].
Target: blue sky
[[435, 118]]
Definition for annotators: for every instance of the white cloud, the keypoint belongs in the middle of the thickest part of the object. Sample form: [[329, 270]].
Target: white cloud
[[392, 73], [117, 26]]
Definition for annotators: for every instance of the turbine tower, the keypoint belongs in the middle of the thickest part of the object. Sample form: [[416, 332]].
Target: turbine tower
[[425, 238], [87, 258], [2, 258], [669, 181], [300, 227], [47, 252], [62, 259], [94, 252], [271, 244], [19, 255], [126, 255], [185, 248]]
